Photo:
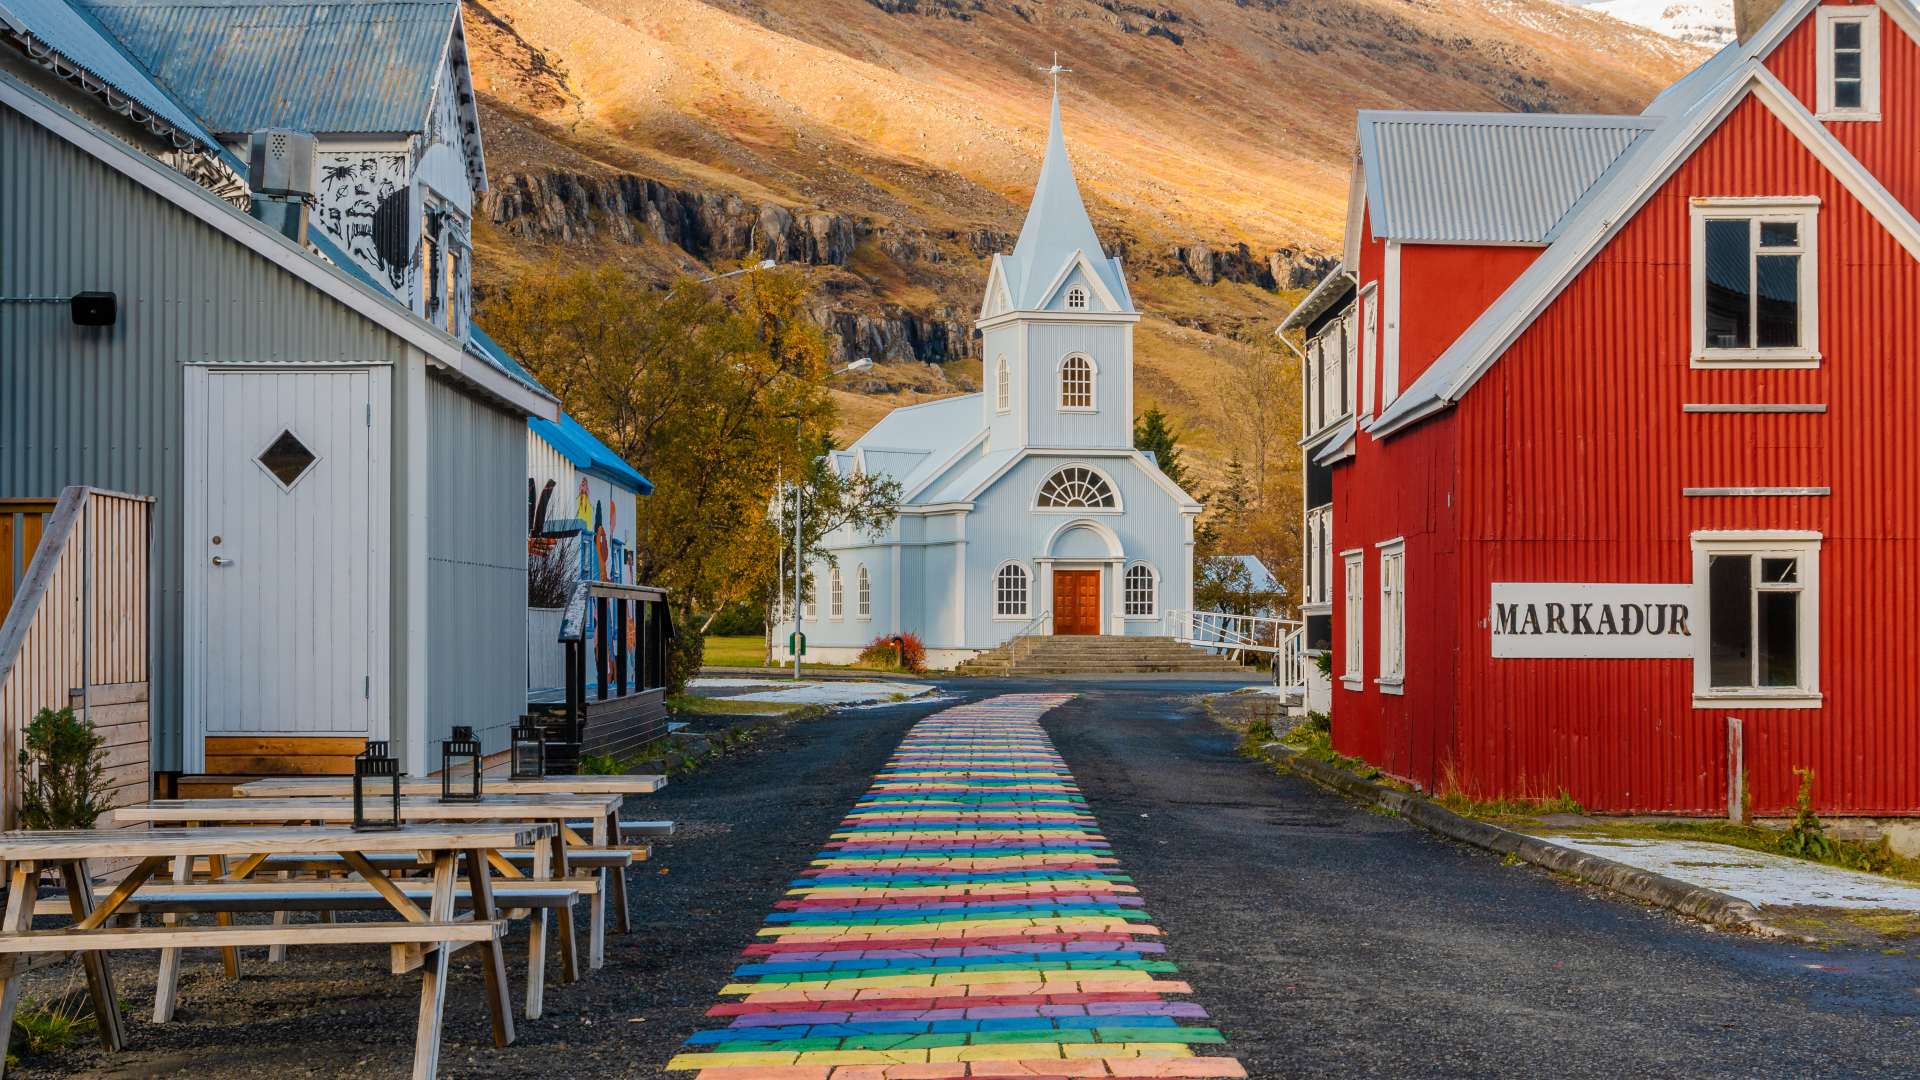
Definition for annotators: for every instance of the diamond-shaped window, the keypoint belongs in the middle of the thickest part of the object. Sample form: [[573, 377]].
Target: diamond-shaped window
[[287, 459]]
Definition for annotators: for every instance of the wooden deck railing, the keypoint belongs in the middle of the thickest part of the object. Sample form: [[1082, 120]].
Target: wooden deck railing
[[76, 630]]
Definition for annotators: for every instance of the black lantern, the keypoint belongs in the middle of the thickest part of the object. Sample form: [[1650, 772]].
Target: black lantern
[[460, 767], [529, 749], [376, 789]]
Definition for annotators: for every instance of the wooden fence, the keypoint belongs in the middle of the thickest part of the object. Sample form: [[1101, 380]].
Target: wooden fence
[[76, 631]]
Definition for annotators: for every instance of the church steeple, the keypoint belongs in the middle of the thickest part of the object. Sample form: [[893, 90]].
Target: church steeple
[[1058, 231]]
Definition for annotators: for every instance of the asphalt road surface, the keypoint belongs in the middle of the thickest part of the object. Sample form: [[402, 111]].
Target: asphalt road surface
[[1324, 939]]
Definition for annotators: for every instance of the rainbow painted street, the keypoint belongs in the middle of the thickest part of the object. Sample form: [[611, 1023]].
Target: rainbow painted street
[[968, 920]]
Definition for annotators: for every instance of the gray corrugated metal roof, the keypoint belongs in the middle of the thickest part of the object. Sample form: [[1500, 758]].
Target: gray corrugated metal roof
[[326, 66], [1484, 178], [77, 37]]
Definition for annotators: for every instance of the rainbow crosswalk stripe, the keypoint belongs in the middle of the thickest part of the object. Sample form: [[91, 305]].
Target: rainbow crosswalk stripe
[[967, 920]]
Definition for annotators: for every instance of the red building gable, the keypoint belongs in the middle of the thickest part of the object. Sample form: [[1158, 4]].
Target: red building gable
[[1656, 393]]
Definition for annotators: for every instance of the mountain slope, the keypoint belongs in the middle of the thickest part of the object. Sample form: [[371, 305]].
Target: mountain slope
[[892, 144], [1707, 23]]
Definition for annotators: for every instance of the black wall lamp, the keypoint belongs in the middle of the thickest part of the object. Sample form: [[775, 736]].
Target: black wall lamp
[[87, 308]]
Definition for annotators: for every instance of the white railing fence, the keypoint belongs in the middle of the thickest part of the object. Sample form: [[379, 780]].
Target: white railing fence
[[1234, 633], [1291, 671]]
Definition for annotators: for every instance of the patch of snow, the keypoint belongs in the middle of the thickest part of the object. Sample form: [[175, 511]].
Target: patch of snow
[[817, 693], [1697, 22], [1756, 877]]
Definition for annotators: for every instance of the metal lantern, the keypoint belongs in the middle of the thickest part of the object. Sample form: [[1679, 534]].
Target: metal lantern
[[460, 767], [529, 749], [376, 789]]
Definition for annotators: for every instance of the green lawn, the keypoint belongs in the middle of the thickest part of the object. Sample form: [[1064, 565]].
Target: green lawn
[[745, 651]]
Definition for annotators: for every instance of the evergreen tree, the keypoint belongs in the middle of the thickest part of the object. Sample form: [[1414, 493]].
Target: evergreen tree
[[1227, 509], [1152, 433]]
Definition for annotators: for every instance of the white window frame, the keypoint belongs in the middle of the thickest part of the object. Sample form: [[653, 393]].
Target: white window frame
[[1319, 558], [862, 592], [836, 594], [1093, 384], [1393, 616], [1369, 348], [1868, 16], [1802, 546], [1077, 298], [1118, 507], [1803, 211], [1002, 386], [1353, 651], [1153, 593], [810, 609], [1000, 614]]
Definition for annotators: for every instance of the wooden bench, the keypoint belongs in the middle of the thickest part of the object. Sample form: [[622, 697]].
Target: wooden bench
[[423, 937]]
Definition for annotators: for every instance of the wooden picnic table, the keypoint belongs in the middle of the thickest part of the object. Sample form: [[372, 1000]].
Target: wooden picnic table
[[424, 938], [601, 811], [288, 786]]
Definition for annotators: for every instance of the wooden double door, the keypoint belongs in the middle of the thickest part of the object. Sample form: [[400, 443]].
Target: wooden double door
[[1076, 602]]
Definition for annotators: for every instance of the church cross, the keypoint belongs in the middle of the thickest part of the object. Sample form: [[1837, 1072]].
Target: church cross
[[1056, 71]]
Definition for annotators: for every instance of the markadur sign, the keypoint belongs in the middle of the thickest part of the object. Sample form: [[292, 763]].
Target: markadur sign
[[1567, 620]]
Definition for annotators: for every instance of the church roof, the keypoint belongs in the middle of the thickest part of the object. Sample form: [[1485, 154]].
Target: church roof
[[1057, 231], [912, 444]]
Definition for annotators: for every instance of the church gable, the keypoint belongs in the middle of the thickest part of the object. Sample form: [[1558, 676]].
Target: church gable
[[1079, 288]]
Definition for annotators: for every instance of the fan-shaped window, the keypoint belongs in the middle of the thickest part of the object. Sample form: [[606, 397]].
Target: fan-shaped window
[[862, 593], [1077, 298], [1076, 383], [836, 599], [1077, 487], [1002, 386], [1011, 588], [1142, 590]]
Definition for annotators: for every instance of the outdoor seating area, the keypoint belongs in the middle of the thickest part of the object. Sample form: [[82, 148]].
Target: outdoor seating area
[[288, 864]]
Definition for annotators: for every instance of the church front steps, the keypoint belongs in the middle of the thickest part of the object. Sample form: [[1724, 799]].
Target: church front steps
[[1097, 655]]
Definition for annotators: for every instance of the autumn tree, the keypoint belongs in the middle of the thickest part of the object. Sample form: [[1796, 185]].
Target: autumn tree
[[713, 398]]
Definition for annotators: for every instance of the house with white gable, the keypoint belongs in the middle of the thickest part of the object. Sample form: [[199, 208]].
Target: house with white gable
[[1025, 508]]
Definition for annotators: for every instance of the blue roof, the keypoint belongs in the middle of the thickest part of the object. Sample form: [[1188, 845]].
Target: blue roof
[[325, 66], [588, 454], [78, 38], [481, 344]]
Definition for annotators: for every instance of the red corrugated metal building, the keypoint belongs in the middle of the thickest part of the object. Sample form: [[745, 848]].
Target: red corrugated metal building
[[1629, 452]]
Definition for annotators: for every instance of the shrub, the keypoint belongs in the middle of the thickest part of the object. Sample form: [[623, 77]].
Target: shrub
[[880, 653], [685, 653], [599, 765], [61, 773], [738, 620], [1807, 836], [552, 574]]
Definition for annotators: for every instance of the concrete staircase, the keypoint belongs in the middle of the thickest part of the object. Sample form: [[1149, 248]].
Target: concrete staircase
[[1041, 655]]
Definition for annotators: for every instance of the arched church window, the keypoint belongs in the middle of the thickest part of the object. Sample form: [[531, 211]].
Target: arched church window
[[862, 593], [1142, 590], [1077, 487], [1076, 383], [1011, 588], [1077, 298], [836, 600], [1002, 386]]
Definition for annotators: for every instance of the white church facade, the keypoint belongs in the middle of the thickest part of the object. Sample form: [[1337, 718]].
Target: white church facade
[[1024, 508]]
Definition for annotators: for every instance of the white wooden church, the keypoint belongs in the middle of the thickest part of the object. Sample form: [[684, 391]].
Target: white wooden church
[[1024, 508]]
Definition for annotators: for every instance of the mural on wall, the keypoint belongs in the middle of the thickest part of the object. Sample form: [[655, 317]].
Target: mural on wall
[[364, 204]]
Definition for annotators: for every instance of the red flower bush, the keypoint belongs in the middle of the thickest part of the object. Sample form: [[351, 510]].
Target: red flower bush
[[881, 652]]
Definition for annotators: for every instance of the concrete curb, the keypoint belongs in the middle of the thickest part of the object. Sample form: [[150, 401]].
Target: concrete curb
[[1693, 901], [786, 675]]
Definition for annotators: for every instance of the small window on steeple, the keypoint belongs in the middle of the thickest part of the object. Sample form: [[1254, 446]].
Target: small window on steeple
[[1076, 299], [1002, 386]]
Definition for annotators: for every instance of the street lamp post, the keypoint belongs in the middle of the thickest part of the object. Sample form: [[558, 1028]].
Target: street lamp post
[[793, 646]]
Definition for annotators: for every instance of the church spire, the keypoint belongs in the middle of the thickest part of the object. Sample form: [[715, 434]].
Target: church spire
[[1057, 226]]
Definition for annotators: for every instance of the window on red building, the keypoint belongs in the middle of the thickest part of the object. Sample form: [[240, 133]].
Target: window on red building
[[1754, 282], [1761, 605]]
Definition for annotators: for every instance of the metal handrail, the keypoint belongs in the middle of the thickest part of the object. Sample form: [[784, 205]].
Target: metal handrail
[[1225, 630], [1034, 628]]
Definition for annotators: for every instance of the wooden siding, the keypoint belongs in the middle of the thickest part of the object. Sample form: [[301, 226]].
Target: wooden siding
[[79, 619], [21, 523], [278, 755]]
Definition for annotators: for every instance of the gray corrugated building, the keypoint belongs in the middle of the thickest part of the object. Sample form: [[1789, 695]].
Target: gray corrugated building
[[339, 534]]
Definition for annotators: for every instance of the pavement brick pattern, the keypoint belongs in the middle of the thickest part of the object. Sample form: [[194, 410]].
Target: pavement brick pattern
[[968, 920]]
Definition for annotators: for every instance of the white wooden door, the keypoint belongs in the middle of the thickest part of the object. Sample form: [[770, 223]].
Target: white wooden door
[[286, 492]]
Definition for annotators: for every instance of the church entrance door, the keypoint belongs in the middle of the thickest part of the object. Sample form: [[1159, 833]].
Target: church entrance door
[[1076, 602]]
